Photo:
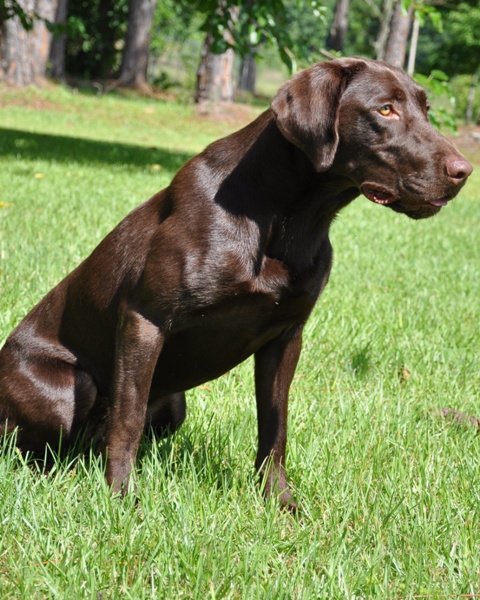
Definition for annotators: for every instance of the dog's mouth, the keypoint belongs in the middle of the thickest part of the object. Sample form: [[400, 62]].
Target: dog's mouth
[[378, 195], [440, 202], [427, 208], [384, 197]]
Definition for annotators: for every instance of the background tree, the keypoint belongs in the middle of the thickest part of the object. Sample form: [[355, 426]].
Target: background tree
[[245, 26], [214, 74], [396, 47], [338, 30], [247, 74], [24, 40], [215, 71], [384, 15], [133, 72], [248, 70], [58, 45]]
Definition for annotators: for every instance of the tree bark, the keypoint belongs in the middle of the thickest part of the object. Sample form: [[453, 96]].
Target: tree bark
[[214, 75], [57, 48], [386, 18], [338, 30], [248, 74], [24, 54], [215, 71], [396, 48], [412, 55], [133, 72]]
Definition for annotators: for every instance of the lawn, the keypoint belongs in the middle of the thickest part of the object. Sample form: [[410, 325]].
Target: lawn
[[390, 492]]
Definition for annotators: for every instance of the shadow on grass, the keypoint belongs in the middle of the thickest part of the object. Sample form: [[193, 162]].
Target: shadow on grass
[[208, 458], [361, 361], [63, 149]]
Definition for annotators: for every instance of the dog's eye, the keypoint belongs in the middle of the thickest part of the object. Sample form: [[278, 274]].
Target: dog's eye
[[428, 106], [386, 110]]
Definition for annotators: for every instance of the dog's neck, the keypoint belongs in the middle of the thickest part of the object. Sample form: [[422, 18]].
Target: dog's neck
[[304, 203], [292, 205]]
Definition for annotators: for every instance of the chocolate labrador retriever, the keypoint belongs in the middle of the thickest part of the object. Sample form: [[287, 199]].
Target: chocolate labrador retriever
[[226, 262]]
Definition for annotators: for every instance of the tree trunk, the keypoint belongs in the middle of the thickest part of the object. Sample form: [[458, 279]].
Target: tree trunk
[[24, 54], [57, 48], [396, 49], [214, 75], [248, 74], [133, 72], [412, 55], [381, 43], [338, 30]]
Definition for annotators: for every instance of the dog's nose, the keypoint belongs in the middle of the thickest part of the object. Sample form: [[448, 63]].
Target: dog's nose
[[458, 169]]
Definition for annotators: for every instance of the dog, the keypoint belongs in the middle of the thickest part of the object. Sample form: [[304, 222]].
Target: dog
[[225, 263]]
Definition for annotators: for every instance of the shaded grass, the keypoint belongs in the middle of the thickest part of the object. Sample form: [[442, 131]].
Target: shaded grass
[[63, 149], [389, 492]]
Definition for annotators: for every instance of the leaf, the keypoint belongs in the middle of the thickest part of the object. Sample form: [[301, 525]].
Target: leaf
[[436, 19], [404, 375], [439, 75], [288, 59]]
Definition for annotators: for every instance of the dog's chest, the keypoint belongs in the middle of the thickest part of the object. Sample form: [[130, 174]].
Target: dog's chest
[[240, 317], [231, 288], [216, 338]]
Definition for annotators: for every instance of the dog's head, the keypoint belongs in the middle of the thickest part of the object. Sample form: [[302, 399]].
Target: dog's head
[[368, 122]]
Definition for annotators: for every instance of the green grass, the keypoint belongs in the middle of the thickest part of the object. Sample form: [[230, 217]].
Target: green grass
[[389, 492]]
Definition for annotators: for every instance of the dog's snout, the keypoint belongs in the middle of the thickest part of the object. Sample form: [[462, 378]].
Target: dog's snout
[[457, 169]]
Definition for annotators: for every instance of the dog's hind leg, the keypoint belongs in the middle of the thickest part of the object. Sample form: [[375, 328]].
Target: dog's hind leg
[[46, 400], [166, 414]]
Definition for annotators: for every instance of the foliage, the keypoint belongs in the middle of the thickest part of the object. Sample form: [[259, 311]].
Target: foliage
[[423, 9], [175, 45], [96, 32], [308, 29], [175, 21], [442, 111], [245, 25], [457, 48], [363, 26], [461, 86], [11, 8]]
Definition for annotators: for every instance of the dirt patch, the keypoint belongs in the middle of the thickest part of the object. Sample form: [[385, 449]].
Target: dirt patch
[[31, 97], [228, 112]]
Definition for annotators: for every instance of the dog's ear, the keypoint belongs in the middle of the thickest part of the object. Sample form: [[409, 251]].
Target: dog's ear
[[307, 108]]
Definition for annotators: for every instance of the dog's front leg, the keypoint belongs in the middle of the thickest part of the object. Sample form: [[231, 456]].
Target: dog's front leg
[[275, 365], [138, 345]]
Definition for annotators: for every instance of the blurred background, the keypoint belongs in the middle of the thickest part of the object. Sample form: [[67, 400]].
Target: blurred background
[[212, 51]]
